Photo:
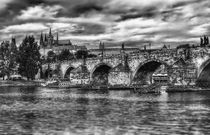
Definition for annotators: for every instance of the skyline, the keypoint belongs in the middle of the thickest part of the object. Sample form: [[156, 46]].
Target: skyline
[[87, 22]]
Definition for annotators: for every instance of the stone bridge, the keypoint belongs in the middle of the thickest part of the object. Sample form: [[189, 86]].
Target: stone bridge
[[176, 66]]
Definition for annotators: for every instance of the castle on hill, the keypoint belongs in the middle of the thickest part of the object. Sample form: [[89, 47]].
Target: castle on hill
[[49, 43]]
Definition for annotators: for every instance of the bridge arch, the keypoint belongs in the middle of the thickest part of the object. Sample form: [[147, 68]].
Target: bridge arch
[[99, 74], [67, 71], [48, 73], [203, 66], [145, 70], [203, 75]]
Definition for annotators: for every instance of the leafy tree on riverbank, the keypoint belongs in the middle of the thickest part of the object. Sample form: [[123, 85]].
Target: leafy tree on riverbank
[[29, 58], [51, 56], [65, 55], [80, 54], [8, 54]]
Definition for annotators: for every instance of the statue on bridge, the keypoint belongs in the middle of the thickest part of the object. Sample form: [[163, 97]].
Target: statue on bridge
[[204, 41]]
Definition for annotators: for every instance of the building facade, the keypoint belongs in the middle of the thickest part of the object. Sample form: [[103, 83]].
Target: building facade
[[49, 43]]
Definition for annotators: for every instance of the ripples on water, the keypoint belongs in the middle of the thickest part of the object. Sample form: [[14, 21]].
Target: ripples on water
[[68, 112]]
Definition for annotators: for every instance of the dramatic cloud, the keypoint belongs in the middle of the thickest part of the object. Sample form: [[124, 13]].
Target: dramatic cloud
[[87, 22], [39, 12], [24, 27], [4, 3]]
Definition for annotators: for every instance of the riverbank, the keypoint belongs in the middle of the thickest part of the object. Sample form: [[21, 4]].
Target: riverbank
[[37, 83], [186, 89], [19, 83]]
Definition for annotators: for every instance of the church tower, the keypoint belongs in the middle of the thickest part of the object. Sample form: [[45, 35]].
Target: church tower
[[13, 44], [50, 39], [45, 38], [41, 42]]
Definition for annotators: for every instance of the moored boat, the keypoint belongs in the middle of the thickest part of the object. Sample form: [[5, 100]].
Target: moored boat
[[153, 88], [184, 88]]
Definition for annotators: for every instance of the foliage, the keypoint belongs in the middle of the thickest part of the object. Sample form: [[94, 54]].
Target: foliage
[[28, 58], [92, 56], [57, 71], [8, 54], [51, 56], [65, 55], [81, 54]]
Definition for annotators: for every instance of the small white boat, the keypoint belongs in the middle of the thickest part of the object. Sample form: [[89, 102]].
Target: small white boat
[[49, 83], [54, 81]]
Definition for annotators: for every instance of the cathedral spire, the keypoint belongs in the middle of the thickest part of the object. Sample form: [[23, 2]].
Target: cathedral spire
[[45, 37], [50, 33]]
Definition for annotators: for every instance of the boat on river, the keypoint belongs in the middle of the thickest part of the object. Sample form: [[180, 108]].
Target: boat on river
[[56, 83], [185, 88], [50, 83], [92, 87], [153, 88], [59, 84]]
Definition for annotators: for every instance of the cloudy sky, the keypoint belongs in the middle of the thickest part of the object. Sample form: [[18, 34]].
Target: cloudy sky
[[87, 22]]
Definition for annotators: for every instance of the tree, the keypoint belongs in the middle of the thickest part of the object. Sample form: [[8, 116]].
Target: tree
[[57, 71], [65, 55], [8, 54], [29, 58], [51, 56], [92, 56], [81, 54]]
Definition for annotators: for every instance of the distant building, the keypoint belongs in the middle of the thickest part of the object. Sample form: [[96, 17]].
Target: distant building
[[111, 51], [49, 43]]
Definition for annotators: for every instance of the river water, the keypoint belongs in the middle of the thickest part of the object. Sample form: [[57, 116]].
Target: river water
[[67, 112]]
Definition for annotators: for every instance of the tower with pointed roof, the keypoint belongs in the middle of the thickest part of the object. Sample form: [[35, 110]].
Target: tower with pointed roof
[[45, 38], [13, 44], [41, 41], [50, 39]]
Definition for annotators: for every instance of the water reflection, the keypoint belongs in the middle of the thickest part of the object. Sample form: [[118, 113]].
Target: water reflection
[[52, 111]]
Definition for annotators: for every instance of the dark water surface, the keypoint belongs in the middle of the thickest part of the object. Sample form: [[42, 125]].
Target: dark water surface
[[67, 112]]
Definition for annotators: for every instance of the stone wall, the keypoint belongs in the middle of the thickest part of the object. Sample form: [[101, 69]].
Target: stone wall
[[119, 78]]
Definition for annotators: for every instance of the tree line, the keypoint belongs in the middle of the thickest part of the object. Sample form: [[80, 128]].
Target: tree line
[[67, 55], [26, 59]]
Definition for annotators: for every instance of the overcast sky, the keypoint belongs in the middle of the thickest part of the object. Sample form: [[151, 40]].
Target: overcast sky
[[87, 22]]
